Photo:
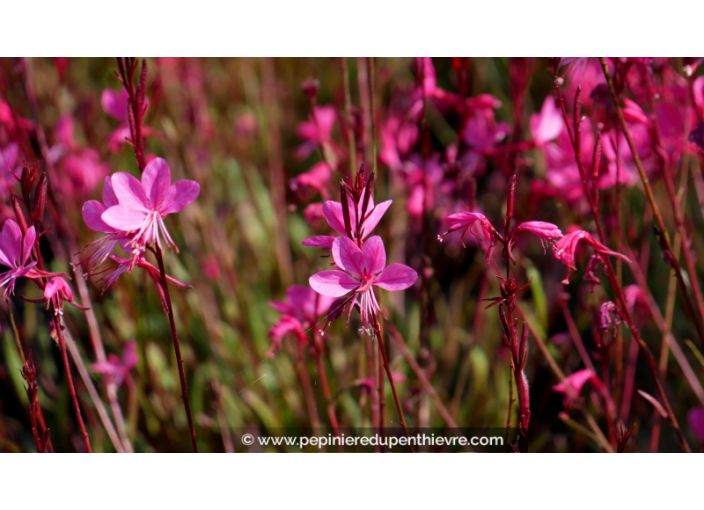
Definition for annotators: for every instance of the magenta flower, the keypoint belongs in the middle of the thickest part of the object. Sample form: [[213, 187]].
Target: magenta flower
[[575, 382], [361, 269], [567, 246], [546, 125], [465, 221], [57, 291], [316, 178], [143, 205], [15, 253], [333, 213], [115, 104], [316, 132], [116, 370], [547, 232], [8, 160]]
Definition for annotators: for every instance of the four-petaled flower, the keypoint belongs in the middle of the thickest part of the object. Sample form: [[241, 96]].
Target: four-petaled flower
[[143, 205], [368, 265]]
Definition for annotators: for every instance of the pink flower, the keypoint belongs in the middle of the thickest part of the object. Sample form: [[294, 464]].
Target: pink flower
[[482, 132], [695, 419], [369, 267], [58, 290], [547, 232], [575, 382], [333, 213], [115, 104], [116, 370], [15, 253], [143, 205], [316, 131], [634, 113], [82, 172], [317, 178], [465, 221], [398, 137], [313, 213], [567, 246], [8, 160], [301, 310], [548, 124]]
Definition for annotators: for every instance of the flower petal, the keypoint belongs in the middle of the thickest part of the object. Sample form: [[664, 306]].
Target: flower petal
[[156, 181], [396, 277], [92, 212], [333, 283], [29, 239], [348, 256], [11, 241], [374, 255], [181, 193], [319, 242], [122, 217], [333, 213], [109, 197], [374, 218], [129, 191]]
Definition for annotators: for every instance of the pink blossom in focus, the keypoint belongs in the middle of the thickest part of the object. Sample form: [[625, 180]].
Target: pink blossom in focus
[[116, 369], [15, 252], [360, 270], [546, 232], [143, 205], [58, 291], [567, 246]]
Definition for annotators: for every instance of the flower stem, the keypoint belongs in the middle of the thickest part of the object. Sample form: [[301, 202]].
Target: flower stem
[[69, 378], [177, 348], [348, 116], [382, 350]]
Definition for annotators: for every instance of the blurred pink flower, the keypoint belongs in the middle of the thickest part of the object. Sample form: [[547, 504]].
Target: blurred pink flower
[[369, 266], [574, 382], [246, 124], [313, 213], [58, 291], [8, 160], [116, 369], [317, 178], [317, 130], [481, 131], [548, 124], [81, 173], [114, 103], [143, 205]]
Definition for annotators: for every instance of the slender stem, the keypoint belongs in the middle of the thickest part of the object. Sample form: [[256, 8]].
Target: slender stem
[[382, 350], [177, 348], [69, 378], [510, 403], [348, 116], [328, 398], [372, 106]]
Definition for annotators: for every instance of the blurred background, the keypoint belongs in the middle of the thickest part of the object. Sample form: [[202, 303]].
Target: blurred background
[[268, 140]]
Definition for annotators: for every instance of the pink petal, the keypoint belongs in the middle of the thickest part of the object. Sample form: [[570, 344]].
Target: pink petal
[[57, 284], [109, 197], [319, 242], [348, 256], [333, 283], [396, 277], [181, 193], [374, 255], [333, 213], [129, 191], [156, 180], [29, 239], [92, 212], [11, 241], [122, 217], [115, 103], [129, 355], [375, 217]]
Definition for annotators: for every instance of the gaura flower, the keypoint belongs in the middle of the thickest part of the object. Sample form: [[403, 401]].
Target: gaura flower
[[116, 370], [57, 291], [360, 271], [143, 205], [115, 104], [567, 246], [15, 253], [547, 232], [574, 382], [465, 221]]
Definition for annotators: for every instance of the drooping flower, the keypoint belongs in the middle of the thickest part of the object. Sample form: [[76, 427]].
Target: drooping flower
[[143, 205], [116, 369], [572, 386], [57, 291], [546, 232], [548, 124], [567, 246], [316, 178], [465, 221], [359, 271]]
